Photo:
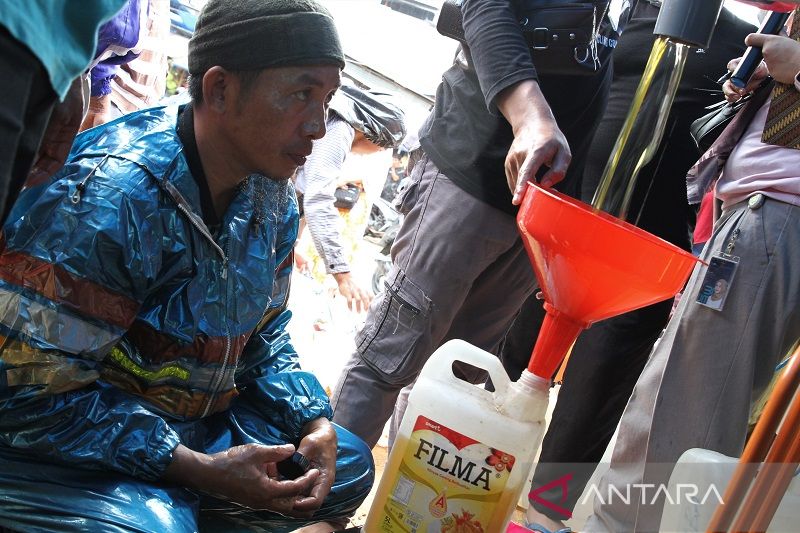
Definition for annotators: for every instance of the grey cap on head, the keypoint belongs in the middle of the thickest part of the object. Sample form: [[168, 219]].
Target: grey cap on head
[[258, 34]]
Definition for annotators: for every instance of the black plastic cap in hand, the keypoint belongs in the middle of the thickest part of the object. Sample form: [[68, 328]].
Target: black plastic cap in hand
[[294, 466]]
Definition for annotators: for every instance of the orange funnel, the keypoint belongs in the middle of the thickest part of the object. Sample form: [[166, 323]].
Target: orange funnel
[[590, 266]]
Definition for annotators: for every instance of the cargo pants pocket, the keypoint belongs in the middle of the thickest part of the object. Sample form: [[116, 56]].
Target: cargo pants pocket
[[410, 196], [395, 340]]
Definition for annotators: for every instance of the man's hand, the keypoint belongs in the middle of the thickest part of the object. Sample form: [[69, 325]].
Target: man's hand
[[537, 142], [781, 54], [301, 263], [356, 297], [781, 61], [318, 445], [59, 134], [733, 93], [246, 475]]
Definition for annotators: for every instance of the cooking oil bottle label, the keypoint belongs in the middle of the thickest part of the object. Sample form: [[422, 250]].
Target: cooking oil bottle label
[[447, 482]]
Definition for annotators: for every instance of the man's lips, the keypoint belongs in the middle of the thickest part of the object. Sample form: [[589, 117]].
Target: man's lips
[[299, 159]]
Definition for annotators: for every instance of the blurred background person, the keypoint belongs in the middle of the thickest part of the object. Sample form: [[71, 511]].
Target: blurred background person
[[360, 122], [117, 45], [141, 82]]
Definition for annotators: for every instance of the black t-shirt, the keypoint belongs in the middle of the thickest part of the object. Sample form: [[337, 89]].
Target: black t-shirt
[[661, 184], [185, 130], [465, 134]]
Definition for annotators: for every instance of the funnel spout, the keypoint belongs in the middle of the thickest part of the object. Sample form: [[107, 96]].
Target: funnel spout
[[556, 337]]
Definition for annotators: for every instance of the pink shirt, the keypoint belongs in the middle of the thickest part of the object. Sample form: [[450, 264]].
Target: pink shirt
[[754, 167]]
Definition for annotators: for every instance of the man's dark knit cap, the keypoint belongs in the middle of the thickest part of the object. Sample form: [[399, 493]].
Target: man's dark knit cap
[[258, 34]]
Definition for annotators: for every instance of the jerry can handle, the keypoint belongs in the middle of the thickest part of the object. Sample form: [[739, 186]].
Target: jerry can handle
[[440, 366]]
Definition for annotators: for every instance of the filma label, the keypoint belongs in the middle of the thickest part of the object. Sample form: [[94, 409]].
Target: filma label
[[446, 482]]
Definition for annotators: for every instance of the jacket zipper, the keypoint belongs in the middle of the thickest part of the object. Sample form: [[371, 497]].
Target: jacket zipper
[[204, 231], [75, 198], [176, 195], [221, 374], [195, 221]]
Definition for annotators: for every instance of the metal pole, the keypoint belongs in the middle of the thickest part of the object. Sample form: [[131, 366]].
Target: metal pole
[[758, 446]]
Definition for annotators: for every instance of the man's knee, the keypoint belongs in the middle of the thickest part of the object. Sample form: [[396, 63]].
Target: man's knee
[[354, 461], [355, 475]]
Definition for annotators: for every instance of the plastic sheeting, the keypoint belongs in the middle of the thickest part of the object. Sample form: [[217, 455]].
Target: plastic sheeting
[[372, 113]]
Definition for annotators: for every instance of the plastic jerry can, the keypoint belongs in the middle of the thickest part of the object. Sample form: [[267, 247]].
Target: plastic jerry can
[[462, 453]]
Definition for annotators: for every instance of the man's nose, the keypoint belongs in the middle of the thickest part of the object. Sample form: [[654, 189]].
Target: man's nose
[[314, 127]]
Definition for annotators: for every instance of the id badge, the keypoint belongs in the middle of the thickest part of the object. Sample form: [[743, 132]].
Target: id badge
[[717, 282]]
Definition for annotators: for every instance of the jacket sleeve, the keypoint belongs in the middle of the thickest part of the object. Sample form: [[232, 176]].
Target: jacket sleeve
[[286, 396], [74, 269], [269, 374], [497, 48], [322, 171]]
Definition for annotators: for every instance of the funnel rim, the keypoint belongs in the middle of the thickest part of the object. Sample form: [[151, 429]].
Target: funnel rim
[[778, 6], [627, 226]]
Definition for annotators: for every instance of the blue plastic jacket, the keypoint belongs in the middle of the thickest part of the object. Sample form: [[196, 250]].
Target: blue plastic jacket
[[127, 326]]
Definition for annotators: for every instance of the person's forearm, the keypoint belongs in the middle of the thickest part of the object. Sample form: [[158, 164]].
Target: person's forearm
[[274, 383], [55, 428], [188, 468], [342, 277], [324, 223], [522, 103], [99, 112], [315, 425], [539, 145]]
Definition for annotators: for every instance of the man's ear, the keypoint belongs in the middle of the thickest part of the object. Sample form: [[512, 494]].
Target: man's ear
[[216, 88]]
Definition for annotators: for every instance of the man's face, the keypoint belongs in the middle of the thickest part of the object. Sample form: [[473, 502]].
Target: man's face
[[274, 121]]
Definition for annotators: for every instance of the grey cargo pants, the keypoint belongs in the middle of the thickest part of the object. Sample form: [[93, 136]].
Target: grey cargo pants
[[459, 272]]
